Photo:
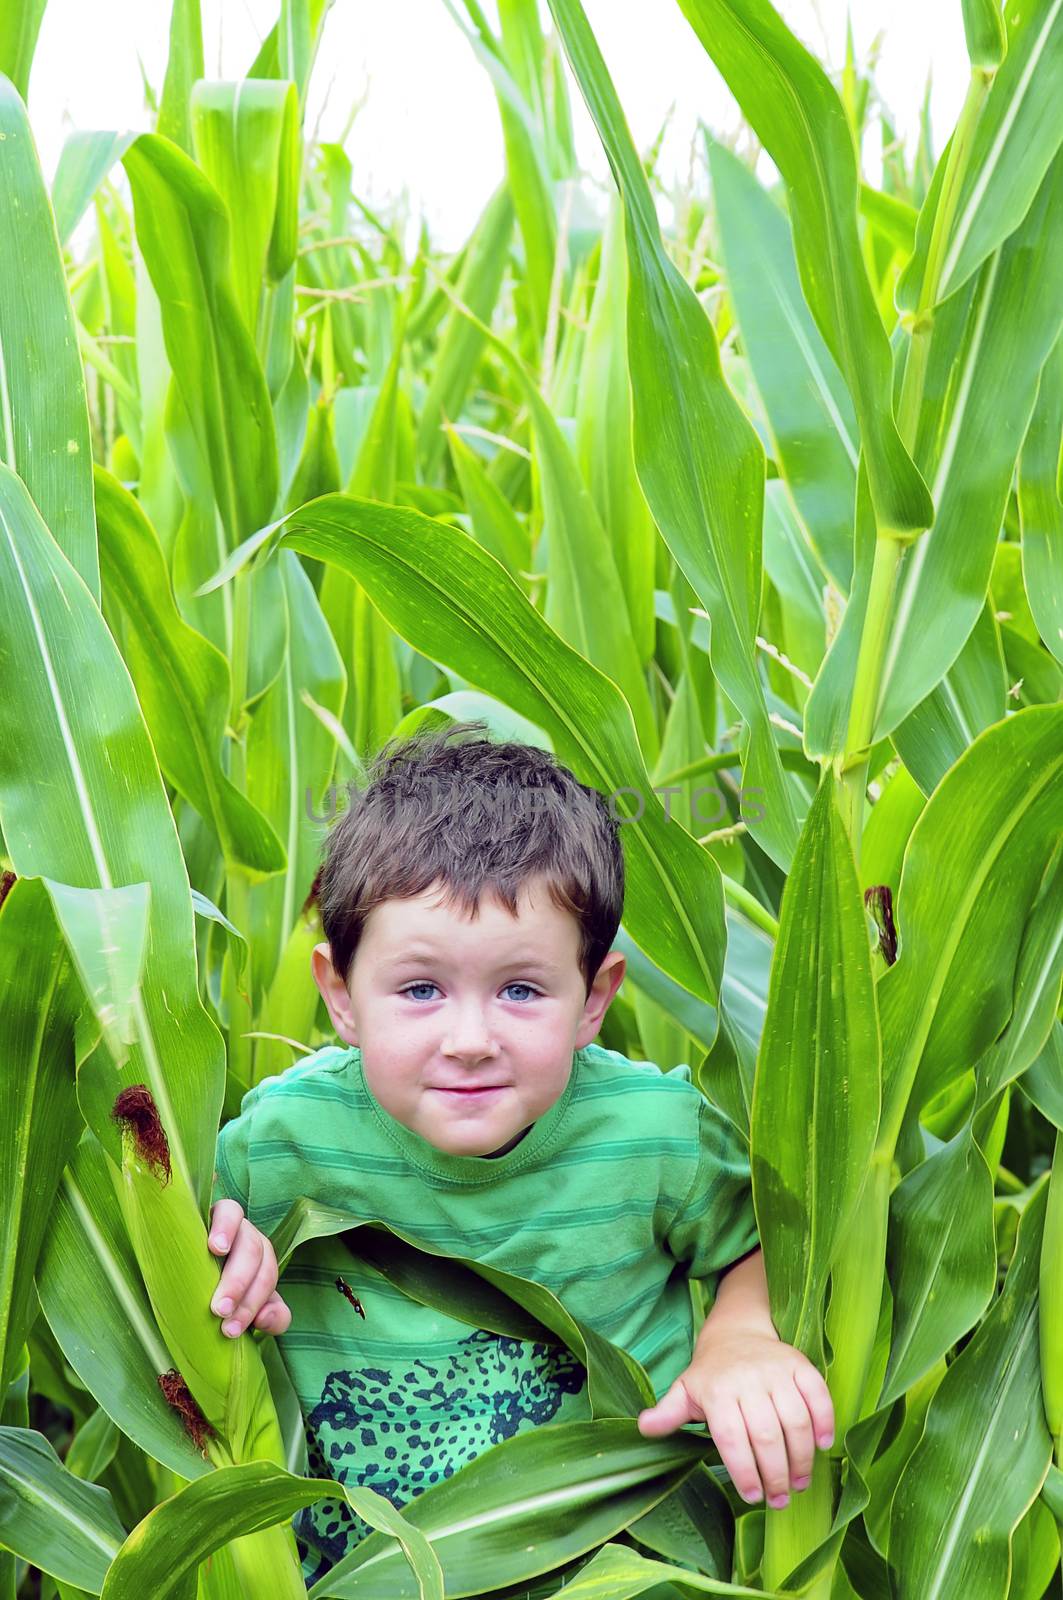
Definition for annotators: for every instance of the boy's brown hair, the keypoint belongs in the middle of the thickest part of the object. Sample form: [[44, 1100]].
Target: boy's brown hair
[[474, 815]]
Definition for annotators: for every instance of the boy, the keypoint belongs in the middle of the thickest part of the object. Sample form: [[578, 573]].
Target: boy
[[469, 898]]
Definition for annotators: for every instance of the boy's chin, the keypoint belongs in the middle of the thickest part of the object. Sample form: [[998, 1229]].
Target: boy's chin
[[479, 1143]]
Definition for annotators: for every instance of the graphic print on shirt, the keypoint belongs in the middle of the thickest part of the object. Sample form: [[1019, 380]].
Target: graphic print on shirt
[[402, 1430]]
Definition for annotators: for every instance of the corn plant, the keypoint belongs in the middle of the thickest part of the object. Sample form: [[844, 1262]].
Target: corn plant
[[756, 520]]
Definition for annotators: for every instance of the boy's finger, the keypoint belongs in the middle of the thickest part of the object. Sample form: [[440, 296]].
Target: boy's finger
[[225, 1219], [275, 1317], [240, 1270], [792, 1411], [728, 1429], [254, 1298], [672, 1410], [766, 1436], [813, 1388]]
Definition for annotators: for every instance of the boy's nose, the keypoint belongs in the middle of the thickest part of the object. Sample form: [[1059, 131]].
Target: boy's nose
[[469, 1037]]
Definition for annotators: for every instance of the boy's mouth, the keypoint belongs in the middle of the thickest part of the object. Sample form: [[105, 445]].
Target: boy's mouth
[[473, 1090]]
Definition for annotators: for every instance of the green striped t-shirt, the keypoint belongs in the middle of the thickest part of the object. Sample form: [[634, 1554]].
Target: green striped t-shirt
[[627, 1185]]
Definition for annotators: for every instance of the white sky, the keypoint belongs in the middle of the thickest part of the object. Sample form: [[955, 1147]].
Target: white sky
[[429, 123]]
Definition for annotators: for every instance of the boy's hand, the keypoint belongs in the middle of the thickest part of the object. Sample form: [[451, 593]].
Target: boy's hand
[[765, 1405], [247, 1288]]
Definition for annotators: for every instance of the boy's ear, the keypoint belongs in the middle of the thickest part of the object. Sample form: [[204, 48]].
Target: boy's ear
[[335, 994], [609, 977]]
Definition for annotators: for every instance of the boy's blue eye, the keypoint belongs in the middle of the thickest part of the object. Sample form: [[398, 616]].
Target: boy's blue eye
[[531, 992], [424, 984]]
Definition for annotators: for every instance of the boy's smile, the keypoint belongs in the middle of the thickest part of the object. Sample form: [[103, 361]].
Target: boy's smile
[[467, 1026]]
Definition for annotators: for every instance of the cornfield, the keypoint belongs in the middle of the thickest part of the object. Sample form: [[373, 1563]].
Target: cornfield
[[753, 516]]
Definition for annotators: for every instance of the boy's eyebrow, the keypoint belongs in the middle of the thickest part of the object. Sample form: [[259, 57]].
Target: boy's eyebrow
[[414, 954]]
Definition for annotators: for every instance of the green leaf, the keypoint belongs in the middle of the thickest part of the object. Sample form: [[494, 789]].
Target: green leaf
[[184, 65], [106, 933], [1036, 997], [68, 709], [585, 601], [182, 681], [39, 1118], [603, 435], [619, 1573], [983, 26], [580, 1483], [971, 874], [85, 160], [456, 605], [976, 1468], [462, 342], [95, 1303], [815, 439], [44, 427], [162, 1553], [93, 1447], [19, 27], [1040, 509], [494, 522], [183, 233], [240, 131], [941, 1258], [991, 339], [796, 113], [817, 1093], [1017, 136], [290, 760], [708, 506], [970, 698], [67, 1528]]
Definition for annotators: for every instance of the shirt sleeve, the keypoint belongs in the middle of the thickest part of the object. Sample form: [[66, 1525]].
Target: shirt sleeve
[[716, 1225], [230, 1162]]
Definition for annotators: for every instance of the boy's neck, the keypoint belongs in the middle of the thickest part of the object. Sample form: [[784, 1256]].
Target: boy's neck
[[512, 1145]]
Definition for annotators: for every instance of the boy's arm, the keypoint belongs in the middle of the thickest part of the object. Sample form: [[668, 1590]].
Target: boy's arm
[[764, 1403]]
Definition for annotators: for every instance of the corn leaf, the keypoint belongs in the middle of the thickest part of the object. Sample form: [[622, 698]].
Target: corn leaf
[[580, 1483], [815, 439], [817, 1092], [494, 522], [965, 896], [977, 1467], [459, 348], [603, 435], [44, 427], [970, 698], [796, 113], [1040, 508], [941, 1258], [183, 232], [617, 1572], [96, 1306], [1017, 136], [240, 132], [456, 605], [182, 681], [184, 65], [67, 707], [85, 160], [699, 461], [585, 600], [48, 1516], [39, 1119], [995, 336], [162, 1553], [290, 758], [996, 333], [983, 26]]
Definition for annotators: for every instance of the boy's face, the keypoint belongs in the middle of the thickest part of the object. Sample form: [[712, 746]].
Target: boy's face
[[467, 1026]]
